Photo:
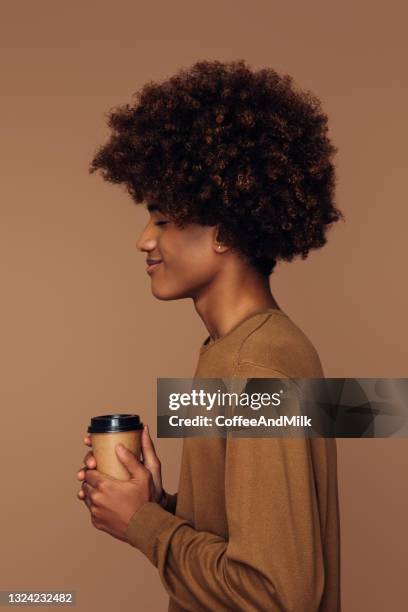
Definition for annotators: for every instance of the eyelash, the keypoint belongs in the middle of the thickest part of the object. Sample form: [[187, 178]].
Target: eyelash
[[161, 222]]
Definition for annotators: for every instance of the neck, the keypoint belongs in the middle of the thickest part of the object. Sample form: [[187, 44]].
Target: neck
[[234, 294]]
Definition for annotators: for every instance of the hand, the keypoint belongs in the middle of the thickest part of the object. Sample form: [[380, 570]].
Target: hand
[[150, 461], [113, 502]]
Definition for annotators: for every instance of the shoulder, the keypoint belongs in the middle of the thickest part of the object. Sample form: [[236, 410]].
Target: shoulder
[[278, 344]]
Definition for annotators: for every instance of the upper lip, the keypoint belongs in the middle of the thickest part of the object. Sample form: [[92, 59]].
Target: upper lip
[[152, 261]]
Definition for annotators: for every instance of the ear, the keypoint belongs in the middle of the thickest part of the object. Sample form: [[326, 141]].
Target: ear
[[218, 245]]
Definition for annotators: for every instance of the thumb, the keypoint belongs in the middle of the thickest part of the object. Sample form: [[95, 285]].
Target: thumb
[[127, 458], [148, 450]]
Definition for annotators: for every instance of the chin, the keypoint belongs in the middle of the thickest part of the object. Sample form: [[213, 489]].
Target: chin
[[166, 294], [177, 288]]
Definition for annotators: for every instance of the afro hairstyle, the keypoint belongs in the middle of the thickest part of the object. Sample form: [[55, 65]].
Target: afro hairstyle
[[221, 144]]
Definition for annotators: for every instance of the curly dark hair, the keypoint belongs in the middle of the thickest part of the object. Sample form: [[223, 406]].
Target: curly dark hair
[[221, 144]]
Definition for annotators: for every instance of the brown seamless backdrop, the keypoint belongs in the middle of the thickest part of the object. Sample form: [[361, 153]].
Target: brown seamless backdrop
[[81, 333]]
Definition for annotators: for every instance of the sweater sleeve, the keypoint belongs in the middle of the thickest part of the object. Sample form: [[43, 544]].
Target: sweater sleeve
[[170, 502], [272, 559]]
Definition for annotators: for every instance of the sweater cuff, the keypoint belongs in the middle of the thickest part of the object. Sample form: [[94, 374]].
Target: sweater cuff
[[148, 525], [171, 502]]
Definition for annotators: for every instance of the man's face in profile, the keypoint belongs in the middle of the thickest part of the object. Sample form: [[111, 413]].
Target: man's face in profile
[[182, 261]]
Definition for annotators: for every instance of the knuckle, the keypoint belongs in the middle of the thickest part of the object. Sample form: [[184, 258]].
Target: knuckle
[[94, 511], [88, 457], [96, 498], [101, 487]]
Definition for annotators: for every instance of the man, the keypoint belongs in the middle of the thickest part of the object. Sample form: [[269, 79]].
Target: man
[[235, 169]]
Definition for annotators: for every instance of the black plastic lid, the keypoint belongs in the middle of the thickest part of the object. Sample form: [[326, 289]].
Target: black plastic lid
[[111, 423]]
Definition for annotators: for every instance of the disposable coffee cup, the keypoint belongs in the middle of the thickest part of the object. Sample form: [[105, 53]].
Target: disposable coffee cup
[[108, 430]]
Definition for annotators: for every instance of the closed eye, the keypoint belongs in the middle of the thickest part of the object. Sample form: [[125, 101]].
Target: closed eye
[[161, 222]]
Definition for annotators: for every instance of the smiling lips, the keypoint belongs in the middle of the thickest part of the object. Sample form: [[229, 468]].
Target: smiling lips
[[152, 264]]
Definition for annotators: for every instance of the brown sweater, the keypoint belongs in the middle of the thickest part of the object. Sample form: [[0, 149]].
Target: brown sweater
[[256, 523]]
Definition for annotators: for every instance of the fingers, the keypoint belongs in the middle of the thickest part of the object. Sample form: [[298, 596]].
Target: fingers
[[129, 460], [81, 474], [151, 461], [90, 463], [90, 460], [146, 439], [83, 493], [94, 479], [148, 450]]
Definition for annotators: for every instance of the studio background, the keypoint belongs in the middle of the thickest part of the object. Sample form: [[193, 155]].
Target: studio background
[[80, 331]]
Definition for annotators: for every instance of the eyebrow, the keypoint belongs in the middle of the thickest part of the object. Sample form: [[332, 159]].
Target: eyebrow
[[152, 207]]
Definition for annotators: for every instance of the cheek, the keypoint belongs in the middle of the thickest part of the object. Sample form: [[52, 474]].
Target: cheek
[[193, 264], [188, 257], [183, 274], [186, 251]]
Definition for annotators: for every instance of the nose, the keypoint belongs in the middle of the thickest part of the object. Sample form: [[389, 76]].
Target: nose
[[147, 241]]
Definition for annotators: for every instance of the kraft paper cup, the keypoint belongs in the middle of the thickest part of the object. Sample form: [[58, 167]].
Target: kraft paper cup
[[108, 430]]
